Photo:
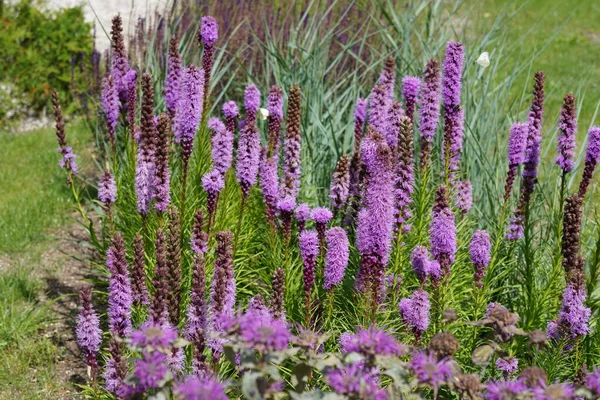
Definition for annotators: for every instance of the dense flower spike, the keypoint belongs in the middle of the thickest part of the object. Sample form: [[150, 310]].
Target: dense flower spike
[[161, 160], [394, 124], [222, 145], [68, 160], [463, 198], [379, 104], [269, 184], [159, 310], [275, 108], [321, 216], [120, 297], [375, 220], [360, 117], [138, 272], [120, 63], [132, 100], [340, 183], [172, 82], [336, 259], [189, 110], [248, 153], [196, 313], [277, 305], [286, 208], [405, 179], [429, 108], [209, 34], [199, 240], [442, 232], [110, 104], [532, 158], [212, 183], [174, 265], [572, 262], [145, 166], [291, 162], [387, 78], [480, 254], [453, 115], [419, 260], [410, 90], [309, 250], [107, 189], [115, 368], [302, 215], [223, 274], [567, 126], [88, 332], [591, 158], [574, 316], [415, 312], [517, 142]]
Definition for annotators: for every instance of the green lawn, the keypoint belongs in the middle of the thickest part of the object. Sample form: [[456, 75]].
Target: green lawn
[[567, 32]]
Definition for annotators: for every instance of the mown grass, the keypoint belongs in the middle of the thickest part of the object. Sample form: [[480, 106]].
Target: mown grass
[[34, 200]]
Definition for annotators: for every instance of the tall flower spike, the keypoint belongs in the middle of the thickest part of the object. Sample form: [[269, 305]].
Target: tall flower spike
[[405, 179], [269, 184], [415, 312], [120, 297], [275, 108], [571, 234], [115, 368], [291, 163], [209, 34], [309, 250], [132, 100], [174, 265], [516, 154], [410, 90], [189, 110], [394, 123], [222, 145], [321, 216], [161, 160], [429, 109], [68, 160], [387, 78], [248, 154], [376, 218], [199, 240], [88, 332], [567, 126], [223, 272], [379, 104], [145, 167], [196, 313], [463, 197], [419, 260], [110, 104], [340, 183], [173, 80], [138, 272], [277, 299], [159, 311], [591, 158], [212, 183], [336, 259], [480, 254], [516, 228], [442, 232], [360, 117], [107, 189], [573, 318], [120, 63]]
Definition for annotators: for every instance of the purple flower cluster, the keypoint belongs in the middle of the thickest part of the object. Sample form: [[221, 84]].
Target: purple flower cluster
[[463, 198], [415, 311], [107, 189], [110, 104], [442, 233], [371, 342], [248, 153], [423, 266], [194, 387], [592, 156], [508, 365], [574, 316], [88, 332], [410, 90], [429, 371], [356, 383], [222, 145], [120, 299], [429, 108], [567, 126], [189, 109], [336, 259], [309, 250], [174, 67], [505, 390], [517, 142]]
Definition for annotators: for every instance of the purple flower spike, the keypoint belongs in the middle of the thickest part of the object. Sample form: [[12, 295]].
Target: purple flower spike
[[189, 110], [463, 199], [371, 342], [88, 332], [442, 232], [321, 216], [269, 184], [480, 254], [222, 145], [248, 158], [410, 90], [574, 316], [591, 159], [429, 109], [415, 312], [251, 102], [309, 250], [209, 32], [110, 104], [212, 183], [174, 69], [230, 109], [293, 146], [378, 109], [419, 260], [355, 382], [120, 298], [508, 365], [567, 125], [517, 141], [107, 189], [336, 259], [429, 371], [592, 381], [387, 78], [452, 75]]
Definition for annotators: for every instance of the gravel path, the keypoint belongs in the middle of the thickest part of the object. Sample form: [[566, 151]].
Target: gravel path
[[101, 12]]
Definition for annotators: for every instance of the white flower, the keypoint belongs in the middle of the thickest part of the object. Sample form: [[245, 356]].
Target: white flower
[[264, 113], [484, 59]]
